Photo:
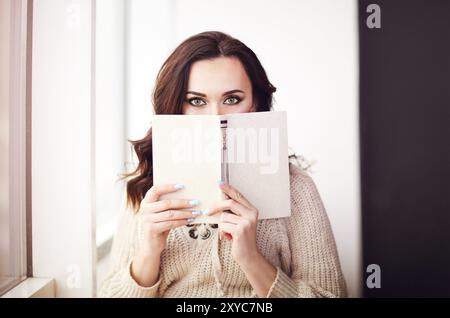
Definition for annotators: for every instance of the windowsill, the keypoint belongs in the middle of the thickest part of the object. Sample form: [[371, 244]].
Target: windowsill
[[8, 283], [33, 288]]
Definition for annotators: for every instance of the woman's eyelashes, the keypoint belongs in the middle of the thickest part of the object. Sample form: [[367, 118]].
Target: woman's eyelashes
[[195, 101], [232, 100], [229, 100]]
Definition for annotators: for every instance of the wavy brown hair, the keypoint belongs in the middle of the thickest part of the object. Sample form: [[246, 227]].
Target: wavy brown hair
[[170, 89]]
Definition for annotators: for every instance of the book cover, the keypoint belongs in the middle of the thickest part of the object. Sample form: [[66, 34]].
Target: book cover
[[247, 150]]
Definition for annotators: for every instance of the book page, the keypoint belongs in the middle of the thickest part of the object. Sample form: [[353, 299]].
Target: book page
[[258, 163], [187, 149]]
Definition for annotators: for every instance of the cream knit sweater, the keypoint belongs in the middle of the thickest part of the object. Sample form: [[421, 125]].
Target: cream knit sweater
[[301, 247]]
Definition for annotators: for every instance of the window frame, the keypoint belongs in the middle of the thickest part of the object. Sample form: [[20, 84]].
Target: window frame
[[19, 111]]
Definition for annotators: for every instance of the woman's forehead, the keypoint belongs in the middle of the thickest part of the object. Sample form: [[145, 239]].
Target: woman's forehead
[[218, 75]]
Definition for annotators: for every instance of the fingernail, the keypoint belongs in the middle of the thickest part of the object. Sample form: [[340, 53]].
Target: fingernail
[[220, 182], [190, 220], [197, 212], [205, 212], [194, 202], [178, 186]]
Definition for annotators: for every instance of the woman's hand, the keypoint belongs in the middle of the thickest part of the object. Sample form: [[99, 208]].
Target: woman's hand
[[239, 225], [158, 217]]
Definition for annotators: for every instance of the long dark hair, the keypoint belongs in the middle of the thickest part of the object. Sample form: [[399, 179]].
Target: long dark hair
[[170, 90]]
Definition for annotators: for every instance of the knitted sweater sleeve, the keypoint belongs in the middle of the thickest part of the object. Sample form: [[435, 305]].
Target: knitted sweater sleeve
[[118, 281], [314, 269]]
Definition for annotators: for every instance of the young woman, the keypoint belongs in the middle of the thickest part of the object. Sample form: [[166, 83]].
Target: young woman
[[155, 252]]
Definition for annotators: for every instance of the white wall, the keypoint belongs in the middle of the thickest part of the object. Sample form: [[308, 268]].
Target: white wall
[[63, 146], [148, 44], [309, 50], [110, 121], [109, 107]]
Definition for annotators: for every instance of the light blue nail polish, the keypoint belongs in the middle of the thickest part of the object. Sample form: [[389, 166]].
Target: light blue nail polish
[[220, 182], [190, 220], [197, 212], [194, 202], [178, 186], [205, 212]]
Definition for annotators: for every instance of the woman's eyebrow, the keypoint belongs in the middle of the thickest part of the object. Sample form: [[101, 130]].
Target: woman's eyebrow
[[226, 93], [196, 93], [233, 91]]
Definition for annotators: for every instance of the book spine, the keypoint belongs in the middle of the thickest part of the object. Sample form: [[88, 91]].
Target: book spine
[[224, 163]]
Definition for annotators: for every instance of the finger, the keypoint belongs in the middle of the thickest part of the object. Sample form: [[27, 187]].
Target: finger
[[230, 205], [234, 194], [153, 194], [169, 204], [228, 228], [224, 205], [161, 227], [223, 235], [171, 215], [227, 217]]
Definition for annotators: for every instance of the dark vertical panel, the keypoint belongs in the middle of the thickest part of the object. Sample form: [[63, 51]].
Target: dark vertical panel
[[405, 146]]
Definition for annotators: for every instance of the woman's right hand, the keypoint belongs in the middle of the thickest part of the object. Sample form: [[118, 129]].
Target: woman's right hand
[[158, 217]]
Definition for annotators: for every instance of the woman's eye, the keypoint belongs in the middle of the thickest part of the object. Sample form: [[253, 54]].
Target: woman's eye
[[196, 102], [232, 100]]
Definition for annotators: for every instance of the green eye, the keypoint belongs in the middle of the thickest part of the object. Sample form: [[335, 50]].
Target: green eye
[[196, 102], [232, 100]]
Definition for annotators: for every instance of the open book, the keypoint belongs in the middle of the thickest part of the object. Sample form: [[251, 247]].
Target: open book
[[247, 150]]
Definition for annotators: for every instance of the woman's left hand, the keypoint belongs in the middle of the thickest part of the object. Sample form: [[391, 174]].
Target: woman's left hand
[[239, 225]]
